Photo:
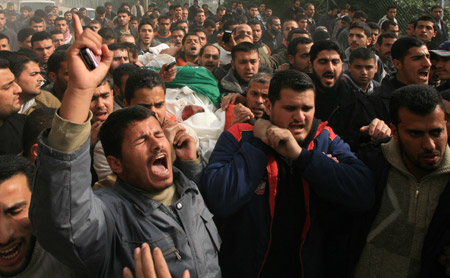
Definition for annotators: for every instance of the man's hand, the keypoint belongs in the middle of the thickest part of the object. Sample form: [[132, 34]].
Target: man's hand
[[282, 67], [242, 114], [227, 46], [184, 144], [146, 268], [231, 98], [260, 128], [82, 81], [172, 51], [95, 129], [377, 129], [282, 141], [169, 75]]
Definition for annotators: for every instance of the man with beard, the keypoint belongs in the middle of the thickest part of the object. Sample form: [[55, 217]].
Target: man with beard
[[123, 24], [355, 117], [383, 46], [255, 95], [298, 54], [189, 50], [406, 232], [256, 28], [273, 37], [29, 78], [20, 254], [280, 193], [58, 74], [209, 57], [411, 58]]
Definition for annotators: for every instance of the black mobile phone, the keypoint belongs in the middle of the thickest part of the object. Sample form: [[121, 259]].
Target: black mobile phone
[[226, 36], [171, 65], [90, 59]]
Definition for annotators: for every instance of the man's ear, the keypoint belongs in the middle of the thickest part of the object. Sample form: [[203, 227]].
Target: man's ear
[[394, 131], [397, 64], [116, 90], [34, 151], [52, 76], [115, 164], [291, 59], [268, 106]]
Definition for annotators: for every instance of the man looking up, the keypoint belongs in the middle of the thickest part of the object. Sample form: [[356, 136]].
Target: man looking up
[[123, 26], [249, 164], [149, 193], [189, 50]]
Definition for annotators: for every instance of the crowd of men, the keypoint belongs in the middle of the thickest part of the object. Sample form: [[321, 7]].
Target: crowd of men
[[333, 160]]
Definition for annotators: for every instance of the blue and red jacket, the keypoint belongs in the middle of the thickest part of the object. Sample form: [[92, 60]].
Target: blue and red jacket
[[240, 186]]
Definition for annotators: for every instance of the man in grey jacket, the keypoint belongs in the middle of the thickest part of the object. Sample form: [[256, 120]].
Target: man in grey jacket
[[96, 232]]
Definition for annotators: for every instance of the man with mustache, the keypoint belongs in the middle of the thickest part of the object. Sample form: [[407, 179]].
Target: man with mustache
[[281, 192], [357, 118], [406, 233], [255, 95], [209, 57], [411, 58], [152, 201]]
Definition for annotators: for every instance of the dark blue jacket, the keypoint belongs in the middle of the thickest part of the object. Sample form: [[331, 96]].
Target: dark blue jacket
[[240, 186]]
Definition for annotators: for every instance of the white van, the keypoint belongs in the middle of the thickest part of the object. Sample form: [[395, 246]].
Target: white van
[[35, 5]]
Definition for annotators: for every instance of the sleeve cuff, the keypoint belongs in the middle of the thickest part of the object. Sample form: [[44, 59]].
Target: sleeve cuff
[[66, 136]]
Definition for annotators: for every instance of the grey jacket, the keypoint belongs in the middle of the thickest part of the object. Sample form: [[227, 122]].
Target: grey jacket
[[97, 232]]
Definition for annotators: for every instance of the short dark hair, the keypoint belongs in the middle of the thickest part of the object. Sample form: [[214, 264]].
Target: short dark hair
[[3, 36], [36, 122], [292, 79], [117, 45], [418, 99], [270, 19], [122, 10], [296, 31], [55, 60], [292, 47], [163, 17], [142, 78], [36, 19], [123, 69], [435, 7], [361, 53], [360, 14], [205, 46], [100, 10], [361, 25], [401, 47], [324, 45], [243, 47], [113, 129], [132, 48], [11, 165], [209, 23], [425, 18], [187, 35], [179, 29], [18, 61], [145, 22], [387, 35], [373, 25], [40, 36], [25, 33], [385, 25], [107, 33], [61, 19]]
